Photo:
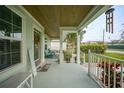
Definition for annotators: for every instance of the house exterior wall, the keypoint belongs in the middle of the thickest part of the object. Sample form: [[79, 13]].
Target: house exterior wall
[[28, 24]]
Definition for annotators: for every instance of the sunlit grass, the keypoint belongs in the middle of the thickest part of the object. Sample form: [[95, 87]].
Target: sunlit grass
[[115, 55]]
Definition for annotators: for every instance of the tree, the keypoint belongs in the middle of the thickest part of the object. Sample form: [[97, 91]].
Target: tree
[[122, 34]]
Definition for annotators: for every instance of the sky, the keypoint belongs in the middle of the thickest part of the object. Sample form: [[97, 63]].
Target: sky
[[94, 31]]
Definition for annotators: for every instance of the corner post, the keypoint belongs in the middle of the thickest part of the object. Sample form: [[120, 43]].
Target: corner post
[[78, 48], [42, 47], [61, 47], [89, 61]]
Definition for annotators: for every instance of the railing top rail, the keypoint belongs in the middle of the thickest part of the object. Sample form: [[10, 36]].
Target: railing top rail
[[108, 57]]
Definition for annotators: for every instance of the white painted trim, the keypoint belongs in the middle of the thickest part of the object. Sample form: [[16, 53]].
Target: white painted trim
[[23, 82], [88, 15], [37, 27], [36, 60], [10, 68], [42, 47], [92, 15], [20, 13], [40, 65], [69, 31], [10, 38], [15, 10], [99, 60], [68, 28], [61, 47], [35, 24], [31, 17], [78, 48], [108, 57]]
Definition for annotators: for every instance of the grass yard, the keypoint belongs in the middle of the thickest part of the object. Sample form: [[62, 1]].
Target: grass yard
[[115, 55]]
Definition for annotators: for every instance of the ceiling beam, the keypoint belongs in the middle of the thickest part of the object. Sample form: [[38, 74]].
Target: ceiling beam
[[68, 28]]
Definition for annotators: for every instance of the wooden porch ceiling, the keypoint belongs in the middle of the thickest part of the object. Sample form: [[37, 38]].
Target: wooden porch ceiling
[[54, 16]]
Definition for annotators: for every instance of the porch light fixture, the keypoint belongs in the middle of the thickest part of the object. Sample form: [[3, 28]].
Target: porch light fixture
[[109, 20]]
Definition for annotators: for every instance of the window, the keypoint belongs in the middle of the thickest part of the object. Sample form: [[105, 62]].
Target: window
[[10, 37], [37, 47]]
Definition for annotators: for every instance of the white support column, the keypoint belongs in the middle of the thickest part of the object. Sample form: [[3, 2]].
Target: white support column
[[89, 61], [42, 46], [49, 43], [78, 48], [61, 47]]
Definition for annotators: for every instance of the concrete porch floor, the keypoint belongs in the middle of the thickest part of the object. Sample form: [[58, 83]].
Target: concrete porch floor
[[65, 75]]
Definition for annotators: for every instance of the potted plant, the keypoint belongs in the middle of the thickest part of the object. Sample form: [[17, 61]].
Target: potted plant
[[67, 55]]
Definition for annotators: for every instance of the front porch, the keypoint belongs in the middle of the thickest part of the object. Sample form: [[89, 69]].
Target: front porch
[[64, 75], [29, 50]]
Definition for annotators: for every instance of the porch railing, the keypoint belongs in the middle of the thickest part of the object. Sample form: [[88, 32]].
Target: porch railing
[[106, 71]]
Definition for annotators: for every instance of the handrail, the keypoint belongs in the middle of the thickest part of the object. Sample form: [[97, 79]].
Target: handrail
[[106, 71], [108, 57]]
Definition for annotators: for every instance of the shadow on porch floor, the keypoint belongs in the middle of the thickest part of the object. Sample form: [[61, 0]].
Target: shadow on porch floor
[[65, 75]]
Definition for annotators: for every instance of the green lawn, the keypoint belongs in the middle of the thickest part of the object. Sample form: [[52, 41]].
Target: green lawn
[[115, 55]]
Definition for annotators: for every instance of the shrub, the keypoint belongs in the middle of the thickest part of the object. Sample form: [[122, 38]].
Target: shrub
[[67, 55], [94, 47]]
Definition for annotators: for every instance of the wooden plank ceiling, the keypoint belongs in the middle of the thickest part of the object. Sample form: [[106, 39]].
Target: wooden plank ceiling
[[54, 16]]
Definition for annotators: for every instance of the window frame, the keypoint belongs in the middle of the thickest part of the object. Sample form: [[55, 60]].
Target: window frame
[[39, 57], [16, 11]]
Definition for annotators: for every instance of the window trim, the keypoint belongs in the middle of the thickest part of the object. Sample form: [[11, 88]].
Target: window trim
[[35, 30], [16, 11], [10, 38]]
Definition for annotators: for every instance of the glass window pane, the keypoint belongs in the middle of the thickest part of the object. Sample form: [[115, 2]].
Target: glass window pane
[[36, 45], [5, 54], [5, 29], [10, 26], [5, 61], [36, 52], [16, 57], [5, 46], [17, 32], [5, 14], [16, 54], [17, 20]]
